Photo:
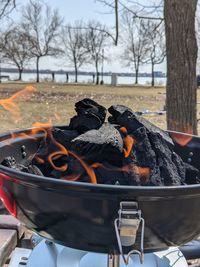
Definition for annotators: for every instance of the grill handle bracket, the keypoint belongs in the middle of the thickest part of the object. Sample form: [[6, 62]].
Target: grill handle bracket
[[126, 228]]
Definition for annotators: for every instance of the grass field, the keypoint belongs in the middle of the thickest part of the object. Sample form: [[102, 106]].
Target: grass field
[[56, 102]]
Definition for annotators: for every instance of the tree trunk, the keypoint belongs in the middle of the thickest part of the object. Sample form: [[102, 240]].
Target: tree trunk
[[152, 74], [136, 75], [97, 73], [181, 50], [93, 78], [76, 74], [20, 74], [37, 70]]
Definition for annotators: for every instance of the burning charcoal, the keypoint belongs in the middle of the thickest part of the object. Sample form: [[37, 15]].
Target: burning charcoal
[[127, 118], [143, 156], [104, 144], [90, 115], [192, 174], [171, 166], [84, 123], [151, 151], [87, 105], [61, 166], [64, 137], [143, 152], [109, 174], [73, 172], [116, 111], [41, 158]]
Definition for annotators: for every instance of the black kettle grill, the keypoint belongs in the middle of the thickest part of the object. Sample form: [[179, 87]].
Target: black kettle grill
[[83, 216]]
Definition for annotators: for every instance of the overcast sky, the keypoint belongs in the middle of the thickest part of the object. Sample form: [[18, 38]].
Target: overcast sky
[[72, 10]]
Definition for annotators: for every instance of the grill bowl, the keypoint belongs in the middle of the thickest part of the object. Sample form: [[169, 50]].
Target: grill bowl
[[81, 215]]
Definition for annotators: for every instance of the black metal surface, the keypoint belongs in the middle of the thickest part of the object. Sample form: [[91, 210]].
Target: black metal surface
[[82, 215], [191, 250]]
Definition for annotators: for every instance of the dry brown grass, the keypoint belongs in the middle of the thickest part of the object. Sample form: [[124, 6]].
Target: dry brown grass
[[56, 102]]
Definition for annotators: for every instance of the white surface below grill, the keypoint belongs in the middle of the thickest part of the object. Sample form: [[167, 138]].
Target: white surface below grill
[[49, 254]]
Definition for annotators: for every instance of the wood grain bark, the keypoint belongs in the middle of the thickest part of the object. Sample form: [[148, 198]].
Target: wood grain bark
[[181, 49]]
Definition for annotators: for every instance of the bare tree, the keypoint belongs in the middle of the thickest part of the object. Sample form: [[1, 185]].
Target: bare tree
[[181, 52], [156, 50], [95, 41], [198, 41], [181, 65], [134, 42], [6, 6], [15, 48], [153, 10], [72, 37], [41, 26]]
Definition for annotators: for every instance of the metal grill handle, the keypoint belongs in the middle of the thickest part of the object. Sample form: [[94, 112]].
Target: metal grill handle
[[126, 227]]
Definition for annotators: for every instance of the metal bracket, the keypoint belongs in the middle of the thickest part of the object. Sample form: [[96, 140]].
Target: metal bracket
[[35, 240], [126, 227]]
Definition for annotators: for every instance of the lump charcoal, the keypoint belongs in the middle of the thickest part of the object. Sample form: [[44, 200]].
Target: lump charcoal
[[104, 144], [64, 137], [151, 150], [40, 160], [192, 174], [116, 111], [84, 123], [171, 166], [73, 166], [87, 105], [73, 170], [142, 150], [109, 174], [126, 117], [143, 156], [90, 115]]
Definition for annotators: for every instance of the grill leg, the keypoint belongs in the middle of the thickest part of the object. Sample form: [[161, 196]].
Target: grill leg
[[113, 260]]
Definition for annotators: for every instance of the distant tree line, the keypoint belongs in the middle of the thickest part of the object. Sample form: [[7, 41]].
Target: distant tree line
[[41, 32]]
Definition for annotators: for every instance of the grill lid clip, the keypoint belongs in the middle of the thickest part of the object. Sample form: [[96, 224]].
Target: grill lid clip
[[126, 228]]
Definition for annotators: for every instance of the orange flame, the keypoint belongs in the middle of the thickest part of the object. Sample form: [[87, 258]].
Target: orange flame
[[128, 142], [39, 160], [42, 127], [60, 151], [57, 116], [22, 135], [181, 138], [46, 128], [142, 172], [87, 168], [74, 177], [10, 105]]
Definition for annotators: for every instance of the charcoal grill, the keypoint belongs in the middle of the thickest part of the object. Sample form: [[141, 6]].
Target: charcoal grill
[[88, 217]]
